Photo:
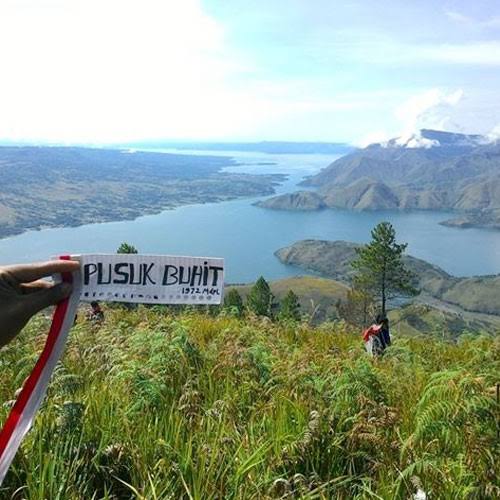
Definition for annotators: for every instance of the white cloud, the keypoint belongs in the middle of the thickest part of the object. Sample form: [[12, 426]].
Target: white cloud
[[494, 134], [424, 110], [376, 137], [113, 70], [417, 141], [457, 17], [384, 50], [427, 109], [94, 70], [473, 53], [470, 22]]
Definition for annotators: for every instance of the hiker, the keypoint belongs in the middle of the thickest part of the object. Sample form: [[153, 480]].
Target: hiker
[[377, 337], [384, 334], [96, 314], [23, 293]]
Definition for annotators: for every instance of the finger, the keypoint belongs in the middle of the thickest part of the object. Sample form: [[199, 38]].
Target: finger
[[24, 273], [35, 302], [35, 286]]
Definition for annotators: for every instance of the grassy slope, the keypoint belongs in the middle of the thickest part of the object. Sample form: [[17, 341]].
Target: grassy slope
[[317, 296], [191, 406], [415, 319]]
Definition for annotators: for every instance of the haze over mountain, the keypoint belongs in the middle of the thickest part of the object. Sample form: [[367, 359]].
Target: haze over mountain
[[271, 147], [430, 170]]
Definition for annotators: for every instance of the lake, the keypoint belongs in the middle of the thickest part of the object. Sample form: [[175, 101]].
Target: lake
[[246, 236]]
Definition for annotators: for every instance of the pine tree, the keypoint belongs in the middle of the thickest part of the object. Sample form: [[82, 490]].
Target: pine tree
[[233, 302], [380, 270], [127, 248], [260, 298], [290, 307]]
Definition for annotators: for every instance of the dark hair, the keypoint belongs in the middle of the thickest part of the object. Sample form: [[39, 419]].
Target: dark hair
[[381, 319], [94, 304]]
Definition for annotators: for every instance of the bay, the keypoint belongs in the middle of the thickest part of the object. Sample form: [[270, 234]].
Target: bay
[[247, 236]]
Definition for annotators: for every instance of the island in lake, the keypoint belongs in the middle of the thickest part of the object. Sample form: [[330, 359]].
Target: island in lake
[[70, 186], [487, 219], [432, 170]]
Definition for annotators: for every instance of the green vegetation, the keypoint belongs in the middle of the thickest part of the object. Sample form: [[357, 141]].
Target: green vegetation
[[323, 299], [418, 318], [156, 405], [332, 259], [260, 298], [233, 302], [379, 267], [318, 297], [359, 308], [127, 248], [289, 308]]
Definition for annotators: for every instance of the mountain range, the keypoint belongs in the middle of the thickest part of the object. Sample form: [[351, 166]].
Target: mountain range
[[431, 170]]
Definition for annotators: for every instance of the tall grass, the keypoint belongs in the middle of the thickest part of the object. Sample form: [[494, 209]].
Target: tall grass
[[155, 405]]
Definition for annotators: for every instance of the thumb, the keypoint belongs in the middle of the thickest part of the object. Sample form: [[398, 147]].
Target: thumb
[[48, 297]]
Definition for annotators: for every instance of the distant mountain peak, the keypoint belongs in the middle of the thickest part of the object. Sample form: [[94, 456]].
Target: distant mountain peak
[[428, 138]]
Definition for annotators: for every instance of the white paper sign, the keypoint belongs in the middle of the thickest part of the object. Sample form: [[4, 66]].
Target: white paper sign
[[151, 279]]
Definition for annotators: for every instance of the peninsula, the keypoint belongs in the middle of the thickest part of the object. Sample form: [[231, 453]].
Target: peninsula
[[70, 186], [332, 259]]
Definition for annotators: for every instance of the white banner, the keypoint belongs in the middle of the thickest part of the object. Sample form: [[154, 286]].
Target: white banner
[[151, 279]]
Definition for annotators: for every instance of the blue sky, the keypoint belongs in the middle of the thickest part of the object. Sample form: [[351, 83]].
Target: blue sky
[[357, 71]]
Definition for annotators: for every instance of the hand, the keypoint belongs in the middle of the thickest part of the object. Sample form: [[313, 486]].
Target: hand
[[23, 293]]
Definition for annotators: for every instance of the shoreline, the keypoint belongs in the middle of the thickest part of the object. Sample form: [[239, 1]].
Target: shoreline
[[146, 213]]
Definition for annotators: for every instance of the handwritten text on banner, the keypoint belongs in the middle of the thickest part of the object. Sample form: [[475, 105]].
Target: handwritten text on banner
[[152, 279]]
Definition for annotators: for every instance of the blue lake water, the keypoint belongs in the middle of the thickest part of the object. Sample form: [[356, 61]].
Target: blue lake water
[[246, 236]]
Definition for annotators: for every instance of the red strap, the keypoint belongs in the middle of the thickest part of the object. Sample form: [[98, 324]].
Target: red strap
[[32, 380]]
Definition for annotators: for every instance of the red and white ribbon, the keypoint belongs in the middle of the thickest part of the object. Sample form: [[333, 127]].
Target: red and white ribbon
[[23, 412]]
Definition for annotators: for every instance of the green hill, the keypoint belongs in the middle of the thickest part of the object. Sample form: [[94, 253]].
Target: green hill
[[332, 259], [319, 297], [154, 405]]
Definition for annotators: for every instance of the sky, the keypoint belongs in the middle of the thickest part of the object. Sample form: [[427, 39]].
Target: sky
[[358, 71]]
